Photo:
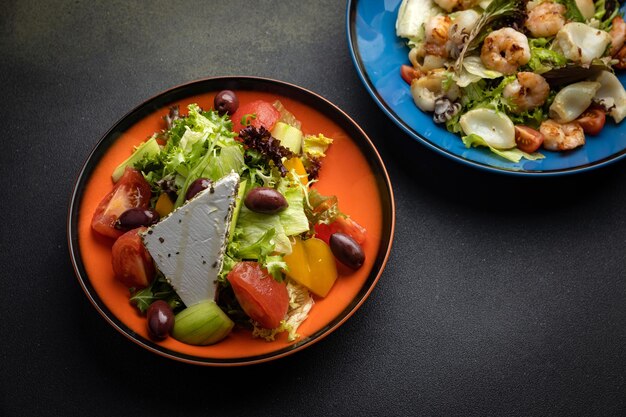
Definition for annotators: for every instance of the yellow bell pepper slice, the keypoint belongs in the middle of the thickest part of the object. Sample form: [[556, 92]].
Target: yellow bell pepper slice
[[312, 264], [296, 163], [164, 205]]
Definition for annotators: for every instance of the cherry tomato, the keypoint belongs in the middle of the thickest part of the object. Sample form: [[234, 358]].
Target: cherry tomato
[[131, 191], [264, 115], [408, 73], [131, 261], [528, 139], [592, 120], [260, 296], [350, 227]]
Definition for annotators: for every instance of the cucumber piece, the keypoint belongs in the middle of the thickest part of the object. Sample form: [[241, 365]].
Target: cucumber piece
[[150, 147], [289, 136], [238, 203], [202, 324]]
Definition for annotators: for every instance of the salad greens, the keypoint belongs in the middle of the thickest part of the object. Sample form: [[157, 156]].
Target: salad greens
[[512, 57], [202, 144], [572, 12], [199, 145]]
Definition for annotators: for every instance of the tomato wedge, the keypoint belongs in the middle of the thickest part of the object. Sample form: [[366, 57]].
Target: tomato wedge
[[132, 190], [264, 113], [261, 297], [132, 264], [528, 139], [344, 225], [592, 120], [408, 73]]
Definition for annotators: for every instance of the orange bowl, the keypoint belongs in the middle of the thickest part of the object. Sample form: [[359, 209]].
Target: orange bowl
[[352, 170]]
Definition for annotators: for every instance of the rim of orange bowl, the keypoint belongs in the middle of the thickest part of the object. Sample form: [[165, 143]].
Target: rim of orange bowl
[[252, 83]]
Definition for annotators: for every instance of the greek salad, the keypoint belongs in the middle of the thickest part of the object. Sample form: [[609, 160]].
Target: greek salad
[[216, 224], [516, 75]]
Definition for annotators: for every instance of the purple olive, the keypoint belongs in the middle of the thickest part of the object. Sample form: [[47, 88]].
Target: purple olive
[[347, 250], [136, 217], [160, 320], [265, 200], [226, 101], [197, 186]]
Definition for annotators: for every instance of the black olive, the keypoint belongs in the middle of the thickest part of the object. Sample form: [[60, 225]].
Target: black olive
[[197, 186], [136, 217], [226, 101], [265, 200], [347, 250], [160, 320]]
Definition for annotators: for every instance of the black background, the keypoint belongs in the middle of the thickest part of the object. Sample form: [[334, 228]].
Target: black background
[[503, 296]]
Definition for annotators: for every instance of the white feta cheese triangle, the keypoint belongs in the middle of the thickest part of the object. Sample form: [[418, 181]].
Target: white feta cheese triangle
[[188, 246]]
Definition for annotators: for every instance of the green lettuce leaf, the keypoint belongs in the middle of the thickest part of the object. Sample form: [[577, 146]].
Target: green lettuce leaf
[[202, 140], [261, 251], [293, 218], [159, 289], [513, 155], [316, 145], [572, 12], [252, 226], [606, 10], [227, 159], [543, 59]]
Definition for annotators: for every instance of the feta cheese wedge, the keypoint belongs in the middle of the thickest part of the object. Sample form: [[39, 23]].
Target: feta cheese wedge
[[188, 246]]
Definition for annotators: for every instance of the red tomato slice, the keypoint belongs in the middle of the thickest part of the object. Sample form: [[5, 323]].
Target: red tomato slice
[[350, 227], [344, 225], [323, 232], [592, 120], [265, 115], [131, 261], [132, 190], [408, 73], [528, 139], [260, 296]]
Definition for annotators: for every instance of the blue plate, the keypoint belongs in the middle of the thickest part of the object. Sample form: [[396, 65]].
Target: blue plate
[[378, 54]]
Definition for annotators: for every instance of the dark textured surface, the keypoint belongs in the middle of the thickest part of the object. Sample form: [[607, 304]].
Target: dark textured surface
[[502, 296]]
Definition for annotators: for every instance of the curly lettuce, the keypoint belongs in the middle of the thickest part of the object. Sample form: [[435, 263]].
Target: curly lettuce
[[513, 154], [542, 58], [200, 144]]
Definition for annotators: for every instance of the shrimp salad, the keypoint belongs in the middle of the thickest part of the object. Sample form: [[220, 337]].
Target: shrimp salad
[[516, 75]]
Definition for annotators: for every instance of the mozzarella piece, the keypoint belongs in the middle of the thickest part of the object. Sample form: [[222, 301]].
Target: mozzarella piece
[[572, 101], [581, 43], [494, 127], [188, 245], [611, 95]]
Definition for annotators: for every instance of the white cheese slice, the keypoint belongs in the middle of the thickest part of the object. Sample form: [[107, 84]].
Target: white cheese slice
[[188, 245]]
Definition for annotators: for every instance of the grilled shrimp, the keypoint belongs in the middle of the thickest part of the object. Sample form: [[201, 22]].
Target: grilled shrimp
[[545, 19], [561, 137], [528, 91], [505, 50], [449, 5], [617, 34], [436, 30]]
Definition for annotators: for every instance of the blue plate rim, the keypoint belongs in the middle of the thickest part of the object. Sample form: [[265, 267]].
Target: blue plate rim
[[351, 13]]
